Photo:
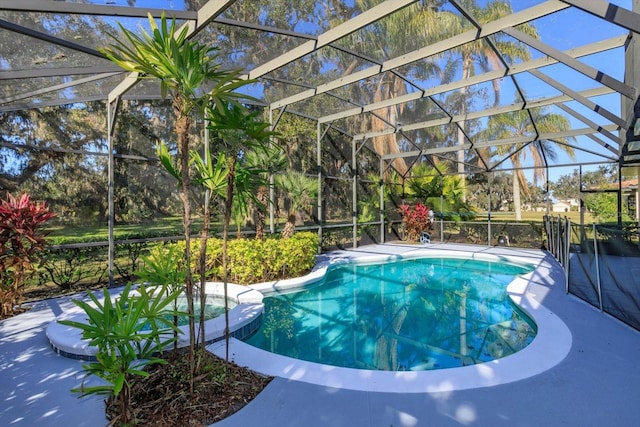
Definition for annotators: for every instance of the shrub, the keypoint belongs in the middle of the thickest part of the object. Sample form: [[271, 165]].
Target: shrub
[[254, 261], [21, 238], [66, 267], [414, 219]]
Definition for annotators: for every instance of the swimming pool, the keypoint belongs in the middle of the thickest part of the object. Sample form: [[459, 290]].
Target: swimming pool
[[402, 315], [550, 346]]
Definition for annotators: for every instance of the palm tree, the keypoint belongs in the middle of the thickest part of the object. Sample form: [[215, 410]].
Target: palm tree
[[300, 191], [240, 131], [183, 68], [385, 39], [479, 55], [518, 124], [272, 160]]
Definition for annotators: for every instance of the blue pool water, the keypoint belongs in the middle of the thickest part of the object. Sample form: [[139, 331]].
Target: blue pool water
[[213, 308], [415, 314]]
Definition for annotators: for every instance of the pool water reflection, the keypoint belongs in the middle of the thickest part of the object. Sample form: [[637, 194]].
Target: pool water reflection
[[412, 314]]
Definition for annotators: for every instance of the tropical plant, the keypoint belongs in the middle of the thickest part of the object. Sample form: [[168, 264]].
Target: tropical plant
[[129, 332], [415, 219], [299, 191], [162, 268], [429, 186], [272, 160], [21, 238], [239, 130], [183, 67]]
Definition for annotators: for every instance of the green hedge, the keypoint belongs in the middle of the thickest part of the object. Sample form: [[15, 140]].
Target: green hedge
[[255, 261]]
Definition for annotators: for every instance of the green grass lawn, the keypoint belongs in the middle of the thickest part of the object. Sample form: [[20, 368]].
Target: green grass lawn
[[169, 226], [172, 226], [537, 216]]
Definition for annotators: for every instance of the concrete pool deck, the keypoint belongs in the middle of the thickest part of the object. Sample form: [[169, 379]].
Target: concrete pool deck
[[596, 384]]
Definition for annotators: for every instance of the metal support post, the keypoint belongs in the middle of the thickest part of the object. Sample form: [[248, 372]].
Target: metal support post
[[111, 116], [354, 194], [597, 262], [381, 190], [319, 166]]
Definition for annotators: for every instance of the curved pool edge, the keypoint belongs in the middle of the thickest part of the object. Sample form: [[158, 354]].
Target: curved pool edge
[[244, 319], [550, 346]]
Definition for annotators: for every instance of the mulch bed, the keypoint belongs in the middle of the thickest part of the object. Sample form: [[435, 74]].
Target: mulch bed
[[163, 398]]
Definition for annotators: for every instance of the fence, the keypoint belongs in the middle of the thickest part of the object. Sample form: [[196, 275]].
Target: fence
[[602, 265]]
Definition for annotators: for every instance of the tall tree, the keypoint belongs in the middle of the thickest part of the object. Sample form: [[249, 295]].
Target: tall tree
[[386, 39], [567, 186], [183, 67], [481, 56], [541, 151]]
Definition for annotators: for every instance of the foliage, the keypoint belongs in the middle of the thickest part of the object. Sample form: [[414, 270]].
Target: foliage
[[518, 124], [272, 160], [184, 67], [163, 267], [66, 267], [566, 187], [299, 192], [253, 261], [415, 219], [603, 206], [128, 333], [427, 185], [21, 238], [132, 253]]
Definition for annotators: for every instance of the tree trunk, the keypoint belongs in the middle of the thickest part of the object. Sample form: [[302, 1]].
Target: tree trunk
[[228, 203], [202, 269], [516, 197], [263, 200], [182, 132], [289, 227]]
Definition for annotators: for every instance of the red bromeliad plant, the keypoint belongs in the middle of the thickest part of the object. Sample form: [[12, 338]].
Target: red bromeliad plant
[[20, 240], [414, 219]]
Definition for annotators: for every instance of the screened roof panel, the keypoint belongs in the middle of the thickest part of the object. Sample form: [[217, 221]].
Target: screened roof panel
[[275, 89], [386, 38], [322, 105], [245, 48], [89, 31], [156, 4], [535, 89], [322, 66], [607, 62], [588, 112], [420, 111], [371, 90], [570, 78], [22, 52], [572, 27], [366, 66], [91, 90], [305, 16]]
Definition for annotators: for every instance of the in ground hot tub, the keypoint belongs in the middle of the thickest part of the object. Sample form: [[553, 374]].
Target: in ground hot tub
[[245, 318]]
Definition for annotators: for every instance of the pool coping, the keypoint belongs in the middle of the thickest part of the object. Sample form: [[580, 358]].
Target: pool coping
[[550, 346]]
